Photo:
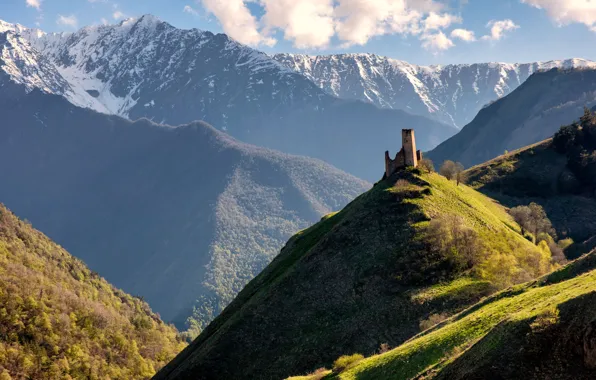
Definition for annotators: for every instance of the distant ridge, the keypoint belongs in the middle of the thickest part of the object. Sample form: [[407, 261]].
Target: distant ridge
[[452, 94], [183, 216], [531, 113]]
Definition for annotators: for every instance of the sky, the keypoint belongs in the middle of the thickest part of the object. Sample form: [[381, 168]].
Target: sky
[[417, 31]]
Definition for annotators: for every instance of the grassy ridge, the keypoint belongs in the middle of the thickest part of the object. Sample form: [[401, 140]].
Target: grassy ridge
[[428, 354], [59, 320], [357, 279]]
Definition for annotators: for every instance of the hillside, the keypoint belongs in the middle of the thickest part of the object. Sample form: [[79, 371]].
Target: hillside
[[452, 94], [538, 173], [539, 330], [60, 320], [414, 247], [147, 68], [531, 113], [183, 216]]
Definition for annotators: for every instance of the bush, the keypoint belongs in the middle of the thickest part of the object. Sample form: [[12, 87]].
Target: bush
[[346, 361], [453, 240], [453, 171], [384, 347], [426, 165], [533, 219], [433, 319]]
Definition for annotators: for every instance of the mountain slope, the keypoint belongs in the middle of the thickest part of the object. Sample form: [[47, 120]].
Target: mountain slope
[[540, 330], [362, 277], [452, 94], [147, 68], [540, 174], [531, 113], [60, 320], [173, 214]]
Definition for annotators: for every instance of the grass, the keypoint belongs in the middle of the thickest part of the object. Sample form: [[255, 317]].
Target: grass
[[460, 288], [536, 303]]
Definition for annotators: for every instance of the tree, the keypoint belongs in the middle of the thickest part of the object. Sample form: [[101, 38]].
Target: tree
[[452, 170], [426, 165], [533, 218], [461, 176]]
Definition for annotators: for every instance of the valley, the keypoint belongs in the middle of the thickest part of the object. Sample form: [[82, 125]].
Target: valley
[[241, 192]]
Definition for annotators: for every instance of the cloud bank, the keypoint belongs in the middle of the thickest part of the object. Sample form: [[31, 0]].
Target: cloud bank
[[315, 23], [566, 12]]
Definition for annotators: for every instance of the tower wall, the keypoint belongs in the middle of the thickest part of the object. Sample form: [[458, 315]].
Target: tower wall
[[409, 147]]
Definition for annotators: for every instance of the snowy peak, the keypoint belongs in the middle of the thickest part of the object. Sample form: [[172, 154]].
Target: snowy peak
[[451, 93], [128, 67], [25, 66]]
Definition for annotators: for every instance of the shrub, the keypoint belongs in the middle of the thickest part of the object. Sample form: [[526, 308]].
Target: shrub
[[426, 165], [453, 240], [433, 319], [384, 347], [346, 361], [533, 218], [453, 170]]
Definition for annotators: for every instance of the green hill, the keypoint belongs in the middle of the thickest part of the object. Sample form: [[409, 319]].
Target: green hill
[[538, 173], [415, 249], [543, 329], [59, 320]]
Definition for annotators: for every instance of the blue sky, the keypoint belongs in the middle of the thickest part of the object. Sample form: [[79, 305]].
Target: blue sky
[[417, 31]]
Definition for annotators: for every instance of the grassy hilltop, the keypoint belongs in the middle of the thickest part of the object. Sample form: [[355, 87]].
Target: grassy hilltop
[[392, 262], [59, 320]]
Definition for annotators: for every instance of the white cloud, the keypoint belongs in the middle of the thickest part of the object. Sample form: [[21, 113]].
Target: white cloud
[[436, 21], [190, 10], [463, 34], [70, 21], [104, 21], [357, 21], [309, 23], [316, 23], [34, 4], [436, 42], [237, 21], [499, 28], [568, 11], [117, 15]]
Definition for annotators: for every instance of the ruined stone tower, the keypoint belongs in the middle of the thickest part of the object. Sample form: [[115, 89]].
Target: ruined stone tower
[[407, 156]]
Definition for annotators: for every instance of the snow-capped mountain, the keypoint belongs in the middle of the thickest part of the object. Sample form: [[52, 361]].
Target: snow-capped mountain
[[21, 64], [452, 94], [147, 68]]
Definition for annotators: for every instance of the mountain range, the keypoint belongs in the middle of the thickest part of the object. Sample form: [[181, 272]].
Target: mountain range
[[308, 105], [531, 113], [147, 68], [174, 214], [452, 94]]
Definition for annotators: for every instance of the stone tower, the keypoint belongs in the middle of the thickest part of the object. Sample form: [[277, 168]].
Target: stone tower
[[408, 141], [408, 156]]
